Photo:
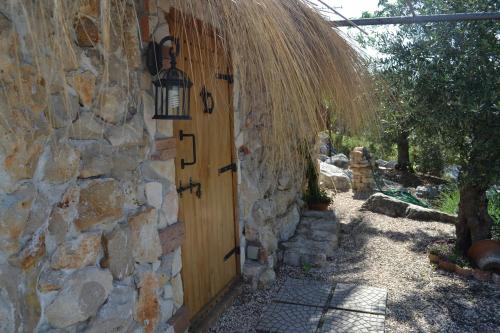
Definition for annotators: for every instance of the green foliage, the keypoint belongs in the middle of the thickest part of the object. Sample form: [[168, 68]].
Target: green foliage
[[306, 267], [448, 200], [313, 193], [381, 149], [442, 84]]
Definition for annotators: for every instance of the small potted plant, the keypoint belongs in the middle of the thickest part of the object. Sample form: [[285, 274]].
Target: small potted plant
[[316, 198]]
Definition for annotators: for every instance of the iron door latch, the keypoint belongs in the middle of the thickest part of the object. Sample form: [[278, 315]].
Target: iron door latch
[[226, 77], [231, 167], [235, 250]]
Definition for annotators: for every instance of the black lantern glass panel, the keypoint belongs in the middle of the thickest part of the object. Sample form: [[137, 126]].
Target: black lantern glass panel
[[172, 87]]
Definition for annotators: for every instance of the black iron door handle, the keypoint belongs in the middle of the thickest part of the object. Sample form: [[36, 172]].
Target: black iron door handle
[[183, 135], [208, 101]]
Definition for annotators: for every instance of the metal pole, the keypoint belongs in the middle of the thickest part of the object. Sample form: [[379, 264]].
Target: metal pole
[[419, 19]]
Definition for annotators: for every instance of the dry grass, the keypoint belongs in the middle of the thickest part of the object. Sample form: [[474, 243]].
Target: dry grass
[[287, 60]]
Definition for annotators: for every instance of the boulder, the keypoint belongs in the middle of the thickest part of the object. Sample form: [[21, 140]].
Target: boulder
[[339, 160], [386, 205], [83, 293], [415, 212], [334, 178]]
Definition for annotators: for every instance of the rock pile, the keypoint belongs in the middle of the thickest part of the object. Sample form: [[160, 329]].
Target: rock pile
[[362, 177], [316, 240]]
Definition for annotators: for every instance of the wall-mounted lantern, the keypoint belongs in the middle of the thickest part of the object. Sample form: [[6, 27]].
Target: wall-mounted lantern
[[172, 86]]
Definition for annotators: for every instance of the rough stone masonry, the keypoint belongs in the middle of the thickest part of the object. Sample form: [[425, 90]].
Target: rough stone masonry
[[86, 201]]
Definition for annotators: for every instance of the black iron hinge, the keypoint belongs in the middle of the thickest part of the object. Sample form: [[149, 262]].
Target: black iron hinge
[[226, 77], [231, 167], [236, 251]]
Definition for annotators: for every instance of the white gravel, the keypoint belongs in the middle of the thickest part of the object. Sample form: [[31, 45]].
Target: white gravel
[[386, 252]]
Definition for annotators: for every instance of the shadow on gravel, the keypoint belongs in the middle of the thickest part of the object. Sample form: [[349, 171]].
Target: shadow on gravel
[[451, 308]]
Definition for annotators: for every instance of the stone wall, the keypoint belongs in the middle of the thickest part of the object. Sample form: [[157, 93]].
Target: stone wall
[[89, 237], [86, 204], [269, 203]]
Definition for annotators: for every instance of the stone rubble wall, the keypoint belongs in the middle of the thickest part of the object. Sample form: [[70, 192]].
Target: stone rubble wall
[[362, 175], [84, 200], [89, 237], [269, 203]]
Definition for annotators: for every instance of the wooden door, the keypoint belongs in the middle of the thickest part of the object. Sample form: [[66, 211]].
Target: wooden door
[[209, 218]]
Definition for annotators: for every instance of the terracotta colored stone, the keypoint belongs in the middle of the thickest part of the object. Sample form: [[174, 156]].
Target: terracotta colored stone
[[172, 237], [131, 44], [446, 265], [147, 311], [463, 271], [433, 258], [101, 202], [180, 320], [481, 275], [486, 254], [77, 253], [84, 84], [145, 240], [87, 32]]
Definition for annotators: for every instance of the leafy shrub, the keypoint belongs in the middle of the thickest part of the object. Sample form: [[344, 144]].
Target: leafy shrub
[[428, 157], [448, 200]]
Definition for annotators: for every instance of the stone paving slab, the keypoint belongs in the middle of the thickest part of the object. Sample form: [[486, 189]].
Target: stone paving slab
[[341, 321], [304, 292], [359, 298], [289, 318]]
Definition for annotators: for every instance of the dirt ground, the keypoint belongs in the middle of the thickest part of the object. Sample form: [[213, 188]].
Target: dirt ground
[[381, 251]]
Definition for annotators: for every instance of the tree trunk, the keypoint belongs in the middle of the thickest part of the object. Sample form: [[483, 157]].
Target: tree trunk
[[403, 152], [474, 223]]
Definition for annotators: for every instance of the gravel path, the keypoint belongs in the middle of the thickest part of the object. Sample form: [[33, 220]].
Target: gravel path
[[381, 251]]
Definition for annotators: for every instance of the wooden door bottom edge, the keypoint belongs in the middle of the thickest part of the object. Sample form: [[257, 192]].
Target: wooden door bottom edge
[[211, 312]]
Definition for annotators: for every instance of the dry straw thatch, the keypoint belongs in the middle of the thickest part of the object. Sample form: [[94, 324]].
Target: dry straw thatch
[[287, 60]]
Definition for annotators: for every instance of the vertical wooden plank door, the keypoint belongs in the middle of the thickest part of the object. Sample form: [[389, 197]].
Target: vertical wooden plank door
[[209, 219]]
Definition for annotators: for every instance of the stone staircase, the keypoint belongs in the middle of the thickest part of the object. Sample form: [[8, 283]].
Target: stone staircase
[[315, 240]]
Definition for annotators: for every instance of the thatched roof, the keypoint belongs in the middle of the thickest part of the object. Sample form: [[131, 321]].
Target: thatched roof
[[285, 55]]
